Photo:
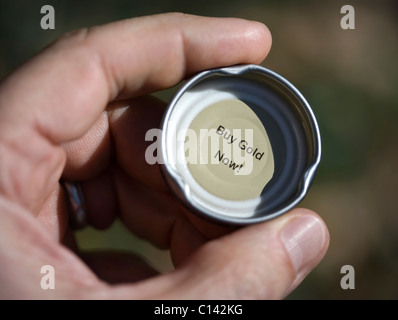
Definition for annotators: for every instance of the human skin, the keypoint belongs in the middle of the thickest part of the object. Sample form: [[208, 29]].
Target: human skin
[[79, 111]]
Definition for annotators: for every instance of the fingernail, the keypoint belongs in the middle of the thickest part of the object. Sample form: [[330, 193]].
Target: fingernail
[[303, 238]]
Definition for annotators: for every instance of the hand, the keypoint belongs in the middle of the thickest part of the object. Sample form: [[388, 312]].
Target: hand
[[65, 113]]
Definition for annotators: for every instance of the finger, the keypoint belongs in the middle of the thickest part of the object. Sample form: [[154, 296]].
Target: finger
[[206, 227], [122, 128], [262, 261], [90, 154], [118, 267], [123, 125], [59, 94], [129, 122], [101, 200], [150, 214]]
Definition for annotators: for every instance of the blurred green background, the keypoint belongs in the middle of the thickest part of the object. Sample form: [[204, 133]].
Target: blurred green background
[[350, 78]]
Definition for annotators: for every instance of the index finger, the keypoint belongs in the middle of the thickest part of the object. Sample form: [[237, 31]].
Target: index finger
[[70, 83]]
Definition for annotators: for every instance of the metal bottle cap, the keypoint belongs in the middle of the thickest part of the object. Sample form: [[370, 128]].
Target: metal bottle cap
[[288, 120]]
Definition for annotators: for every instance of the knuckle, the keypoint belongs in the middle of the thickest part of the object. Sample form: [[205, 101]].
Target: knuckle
[[73, 38]]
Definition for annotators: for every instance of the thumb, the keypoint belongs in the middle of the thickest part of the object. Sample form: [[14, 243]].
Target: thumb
[[264, 261]]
